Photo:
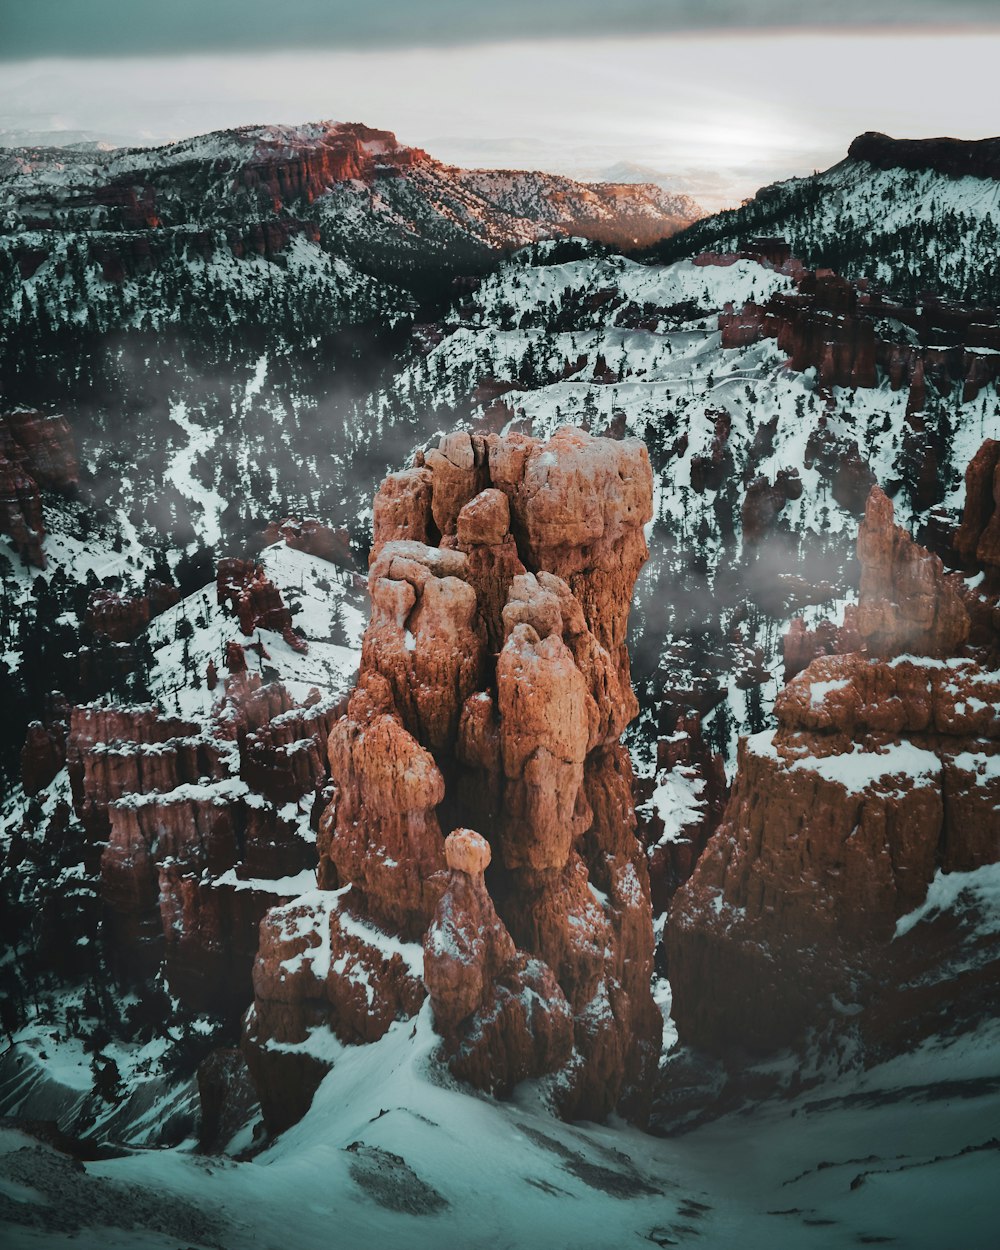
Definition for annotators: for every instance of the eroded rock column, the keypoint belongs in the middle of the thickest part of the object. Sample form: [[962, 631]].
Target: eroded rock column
[[493, 691]]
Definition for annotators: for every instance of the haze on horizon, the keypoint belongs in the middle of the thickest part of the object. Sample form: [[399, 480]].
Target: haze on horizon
[[716, 98]]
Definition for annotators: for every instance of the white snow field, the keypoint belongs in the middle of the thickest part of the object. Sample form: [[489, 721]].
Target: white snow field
[[393, 1153]]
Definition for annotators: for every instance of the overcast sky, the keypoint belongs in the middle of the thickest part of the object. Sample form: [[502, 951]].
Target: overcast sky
[[724, 96], [33, 28]]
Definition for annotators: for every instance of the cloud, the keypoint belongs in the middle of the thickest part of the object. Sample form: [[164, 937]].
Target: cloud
[[717, 116], [90, 28]]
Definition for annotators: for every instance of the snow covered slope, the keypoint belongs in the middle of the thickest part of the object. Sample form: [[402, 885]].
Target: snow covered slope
[[618, 346], [892, 212], [392, 1154]]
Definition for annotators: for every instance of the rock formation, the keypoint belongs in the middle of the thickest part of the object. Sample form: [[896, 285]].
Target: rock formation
[[801, 645], [906, 601], [190, 831], [122, 618], [502, 1014], [978, 158], [977, 540], [312, 537], [493, 691], [36, 452], [838, 326], [254, 599], [882, 772]]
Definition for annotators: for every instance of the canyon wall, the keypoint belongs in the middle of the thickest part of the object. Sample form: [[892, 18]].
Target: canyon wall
[[882, 774]]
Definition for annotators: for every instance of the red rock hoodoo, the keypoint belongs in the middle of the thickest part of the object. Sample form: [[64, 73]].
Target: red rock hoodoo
[[254, 599], [493, 691]]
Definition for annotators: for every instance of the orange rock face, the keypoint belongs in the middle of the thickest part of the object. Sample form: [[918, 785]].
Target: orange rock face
[[503, 1016], [884, 770], [493, 691], [906, 602]]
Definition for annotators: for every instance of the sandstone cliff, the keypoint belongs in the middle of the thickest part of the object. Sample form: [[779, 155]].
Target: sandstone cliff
[[881, 776]]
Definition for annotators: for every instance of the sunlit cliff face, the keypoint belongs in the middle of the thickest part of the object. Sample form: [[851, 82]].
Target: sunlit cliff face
[[719, 114]]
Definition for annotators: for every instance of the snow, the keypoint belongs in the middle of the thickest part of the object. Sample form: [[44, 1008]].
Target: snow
[[677, 801], [209, 503], [779, 1178], [284, 887], [857, 770], [978, 890], [985, 768], [820, 689]]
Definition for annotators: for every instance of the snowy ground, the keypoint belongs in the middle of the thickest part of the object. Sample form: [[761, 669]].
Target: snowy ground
[[394, 1154], [314, 589]]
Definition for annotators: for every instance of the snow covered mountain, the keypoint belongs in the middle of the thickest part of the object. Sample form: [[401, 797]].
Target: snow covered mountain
[[336, 213], [912, 215]]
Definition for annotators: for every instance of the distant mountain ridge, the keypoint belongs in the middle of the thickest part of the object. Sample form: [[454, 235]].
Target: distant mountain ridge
[[289, 168], [295, 230], [912, 215], [975, 158]]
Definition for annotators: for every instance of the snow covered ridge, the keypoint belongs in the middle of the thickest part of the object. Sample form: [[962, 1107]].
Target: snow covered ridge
[[910, 216], [347, 181]]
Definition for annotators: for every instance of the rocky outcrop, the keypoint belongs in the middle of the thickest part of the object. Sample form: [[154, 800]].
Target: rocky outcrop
[[282, 170], [710, 470], [44, 750], [503, 1016], [977, 540], [801, 645], [841, 463], [42, 445], [494, 688], [35, 452], [381, 834], [312, 537], [763, 503], [906, 601], [21, 513], [960, 158], [122, 618], [881, 773], [838, 327], [244, 587]]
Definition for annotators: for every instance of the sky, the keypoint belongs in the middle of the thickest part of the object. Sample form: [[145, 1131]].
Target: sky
[[715, 97]]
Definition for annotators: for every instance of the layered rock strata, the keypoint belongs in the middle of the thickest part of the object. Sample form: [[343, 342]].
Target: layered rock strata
[[837, 327], [493, 691], [882, 773], [192, 830]]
